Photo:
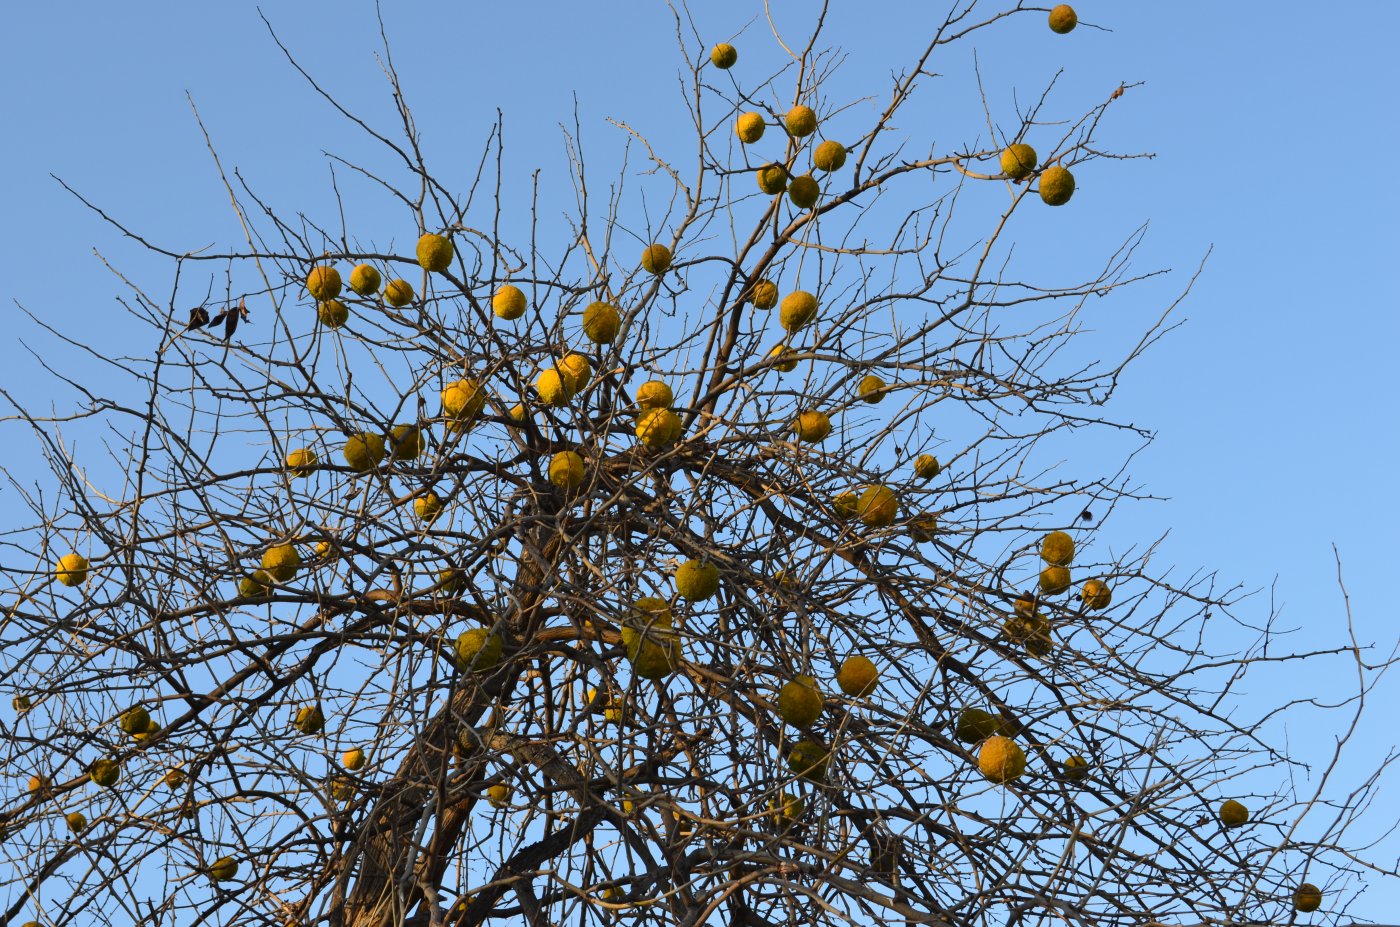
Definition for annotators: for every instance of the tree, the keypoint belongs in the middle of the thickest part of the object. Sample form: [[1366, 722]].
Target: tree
[[527, 574]]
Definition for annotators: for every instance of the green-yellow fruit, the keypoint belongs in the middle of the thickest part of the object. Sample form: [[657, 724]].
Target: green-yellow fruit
[[975, 725], [1001, 759], [658, 428], [342, 788], [301, 461], [255, 586], [784, 361], [785, 809], [799, 307], [77, 821], [72, 570], [552, 388], [434, 253], [224, 869], [654, 394], [846, 504], [1057, 549], [601, 322], [1233, 814], [398, 293], [323, 283], [576, 371], [870, 389], [829, 156], [38, 783], [809, 760], [1018, 161], [405, 442], [878, 507], [1096, 594], [1054, 580], [857, 676], [653, 646], [478, 649], [1307, 898], [764, 294], [463, 399], [134, 720], [1076, 768], [21, 703], [800, 702], [923, 528], [804, 191], [801, 121], [697, 580], [499, 795], [1032, 632], [365, 280], [310, 719], [926, 467], [749, 127], [105, 772], [353, 760], [723, 56], [1056, 186], [174, 777], [772, 179], [364, 451], [1063, 19], [428, 507], [509, 302], [333, 313], [281, 562], [517, 413], [811, 426], [566, 470], [656, 259]]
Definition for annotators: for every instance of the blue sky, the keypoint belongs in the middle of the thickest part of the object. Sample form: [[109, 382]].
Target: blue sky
[[1272, 129]]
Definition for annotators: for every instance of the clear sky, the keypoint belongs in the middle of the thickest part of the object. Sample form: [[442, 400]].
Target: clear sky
[[1273, 124]]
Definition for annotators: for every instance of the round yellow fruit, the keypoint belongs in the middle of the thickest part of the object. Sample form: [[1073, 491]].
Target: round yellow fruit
[[656, 259], [428, 507], [749, 127], [21, 704], [1057, 549], [601, 322], [697, 580], [783, 360], [342, 788], [1018, 161], [463, 399], [1024, 606], [398, 293], [1307, 898], [870, 389], [478, 649], [1233, 813], [364, 451], [333, 313], [924, 528], [434, 253], [723, 56], [365, 280], [975, 725], [323, 283], [38, 783], [1075, 768], [846, 504], [658, 428], [1054, 580], [1032, 632], [857, 676], [301, 461], [804, 191], [652, 644], [552, 388], [255, 586], [405, 442], [105, 772], [509, 302], [772, 179], [134, 720], [566, 470], [499, 795], [224, 869], [517, 413], [576, 371], [829, 156], [310, 719], [77, 821], [654, 394], [1001, 759], [926, 467], [174, 777], [878, 507], [800, 702], [1063, 19], [281, 562], [809, 760], [1056, 186], [353, 760], [785, 809], [801, 121], [72, 570], [799, 307], [1096, 594], [764, 294], [811, 426]]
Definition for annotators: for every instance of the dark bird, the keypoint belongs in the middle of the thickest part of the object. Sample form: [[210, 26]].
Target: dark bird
[[231, 317], [199, 316]]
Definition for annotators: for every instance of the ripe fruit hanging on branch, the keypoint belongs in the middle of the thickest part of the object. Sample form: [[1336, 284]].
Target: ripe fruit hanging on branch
[[926, 467], [77, 821], [1018, 161], [804, 191], [810, 760], [223, 869], [365, 280], [478, 650], [975, 725], [857, 676], [332, 313], [878, 507], [353, 759], [656, 259], [134, 720], [281, 562], [697, 580], [800, 701], [428, 507], [772, 179], [923, 529], [650, 639], [1057, 549], [654, 394], [105, 772], [434, 253], [764, 294], [1056, 186], [1096, 595], [811, 427], [72, 570], [398, 293], [785, 810], [463, 400], [870, 389], [301, 461], [1001, 760], [1233, 813], [323, 283], [799, 307], [658, 429], [846, 504], [1307, 898], [566, 470], [1063, 19], [1075, 768], [801, 121], [310, 719], [749, 127], [509, 302], [782, 357], [1054, 580], [364, 452], [829, 156], [601, 322], [724, 56], [405, 442]]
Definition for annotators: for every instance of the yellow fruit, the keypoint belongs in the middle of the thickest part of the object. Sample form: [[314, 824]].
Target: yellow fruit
[[846, 504], [428, 507], [1233, 814], [1024, 605], [310, 719], [72, 570], [654, 394], [785, 809], [1018, 161], [975, 725], [857, 676], [452, 580], [1063, 19], [434, 253], [772, 179], [38, 783], [801, 121], [1057, 549], [77, 821], [1056, 186], [1307, 898], [749, 127], [463, 399], [566, 470], [365, 280], [877, 507], [656, 259], [517, 413], [301, 461], [281, 562], [553, 389], [804, 191], [1054, 580], [255, 586], [224, 868], [697, 580], [134, 720], [658, 428], [829, 156], [21, 704], [575, 370], [1096, 594], [926, 467], [764, 294], [648, 634], [870, 389], [723, 56], [333, 313], [509, 302], [1001, 759], [601, 322], [1076, 768], [923, 528], [811, 426], [105, 772], [353, 759], [173, 777], [499, 795], [800, 702], [783, 351], [364, 451], [1032, 632], [799, 307], [342, 789], [405, 442], [398, 293], [478, 650], [323, 283], [809, 760]]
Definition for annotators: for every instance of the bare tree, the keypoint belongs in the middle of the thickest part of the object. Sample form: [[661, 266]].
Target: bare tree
[[704, 559]]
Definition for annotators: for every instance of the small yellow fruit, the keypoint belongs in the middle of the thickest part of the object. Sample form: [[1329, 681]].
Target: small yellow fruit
[[479, 650], [809, 760], [353, 760], [105, 772], [174, 778], [452, 580], [785, 809], [800, 702], [72, 570], [1233, 814], [405, 442], [846, 504], [1063, 19], [926, 467], [342, 788], [1032, 632], [38, 783], [804, 191], [301, 461], [552, 388], [723, 56], [654, 394], [811, 426], [801, 121], [1075, 768], [658, 428], [923, 528], [601, 322], [499, 795], [224, 868], [364, 451], [764, 294], [799, 307], [656, 259], [323, 283], [1024, 606], [398, 293], [428, 507], [1096, 594], [21, 704], [255, 586], [749, 127], [134, 720], [783, 358], [434, 253], [857, 676], [509, 302], [1057, 549], [576, 371], [333, 313], [1307, 898], [870, 389], [772, 179], [1054, 580], [1056, 186], [1018, 161], [517, 413], [77, 821], [463, 399], [975, 725], [310, 719], [365, 280], [566, 470], [1001, 759], [829, 156], [697, 580], [878, 507], [281, 562]]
